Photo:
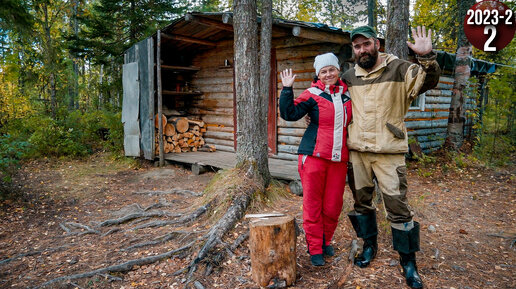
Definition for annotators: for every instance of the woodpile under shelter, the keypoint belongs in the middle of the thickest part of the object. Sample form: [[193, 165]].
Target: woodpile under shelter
[[186, 70]]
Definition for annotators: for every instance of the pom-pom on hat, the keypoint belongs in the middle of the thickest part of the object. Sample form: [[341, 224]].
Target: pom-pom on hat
[[326, 59]]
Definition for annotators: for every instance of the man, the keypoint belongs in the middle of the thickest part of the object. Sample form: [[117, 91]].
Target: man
[[381, 88]]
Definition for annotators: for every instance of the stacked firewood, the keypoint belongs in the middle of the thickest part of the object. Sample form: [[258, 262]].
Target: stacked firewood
[[181, 134]]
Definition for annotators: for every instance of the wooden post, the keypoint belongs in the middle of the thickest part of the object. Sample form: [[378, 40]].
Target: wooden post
[[160, 100], [272, 243]]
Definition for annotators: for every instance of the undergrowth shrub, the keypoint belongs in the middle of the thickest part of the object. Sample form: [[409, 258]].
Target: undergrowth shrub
[[11, 152]]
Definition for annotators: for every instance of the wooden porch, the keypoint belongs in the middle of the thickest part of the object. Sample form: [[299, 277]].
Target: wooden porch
[[280, 169]]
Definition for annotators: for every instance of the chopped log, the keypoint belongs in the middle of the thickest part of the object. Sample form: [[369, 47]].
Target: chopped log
[[181, 124], [272, 243], [207, 148], [170, 129], [163, 120], [199, 123]]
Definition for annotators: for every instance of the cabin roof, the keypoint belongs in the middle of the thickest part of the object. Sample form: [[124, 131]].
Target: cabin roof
[[199, 31]]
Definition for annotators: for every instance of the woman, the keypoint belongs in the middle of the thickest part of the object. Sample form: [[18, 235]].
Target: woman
[[323, 154]]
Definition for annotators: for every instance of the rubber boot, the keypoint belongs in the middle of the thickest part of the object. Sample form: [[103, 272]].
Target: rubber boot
[[327, 250], [365, 227], [317, 260], [407, 244]]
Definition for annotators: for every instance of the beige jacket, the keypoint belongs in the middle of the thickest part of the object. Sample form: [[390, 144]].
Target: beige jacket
[[381, 98]]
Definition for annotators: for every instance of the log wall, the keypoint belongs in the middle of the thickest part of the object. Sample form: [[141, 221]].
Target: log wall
[[215, 105]]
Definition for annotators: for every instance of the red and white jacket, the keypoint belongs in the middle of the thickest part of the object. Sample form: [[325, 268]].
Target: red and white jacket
[[329, 108]]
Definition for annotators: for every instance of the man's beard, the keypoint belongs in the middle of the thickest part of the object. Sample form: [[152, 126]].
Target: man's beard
[[369, 61]]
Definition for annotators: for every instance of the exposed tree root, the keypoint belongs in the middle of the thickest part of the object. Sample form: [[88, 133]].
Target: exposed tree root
[[228, 250], [32, 253], [183, 220], [349, 267], [87, 230], [160, 240], [134, 216], [174, 191], [124, 267]]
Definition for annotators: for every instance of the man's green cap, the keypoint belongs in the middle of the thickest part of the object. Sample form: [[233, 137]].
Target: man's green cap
[[366, 31]]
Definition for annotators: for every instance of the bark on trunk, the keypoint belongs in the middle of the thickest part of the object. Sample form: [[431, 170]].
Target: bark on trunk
[[397, 28], [251, 134], [455, 133]]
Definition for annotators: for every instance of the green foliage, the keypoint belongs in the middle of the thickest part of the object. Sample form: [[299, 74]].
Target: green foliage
[[441, 17], [55, 139], [425, 165], [496, 141], [11, 152], [76, 135]]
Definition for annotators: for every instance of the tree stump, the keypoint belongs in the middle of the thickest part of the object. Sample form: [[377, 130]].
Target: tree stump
[[272, 243]]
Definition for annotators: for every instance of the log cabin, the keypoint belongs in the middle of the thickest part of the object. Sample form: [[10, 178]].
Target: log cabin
[[186, 70]]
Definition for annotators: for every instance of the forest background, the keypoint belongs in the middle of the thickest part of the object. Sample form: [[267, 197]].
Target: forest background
[[60, 70]]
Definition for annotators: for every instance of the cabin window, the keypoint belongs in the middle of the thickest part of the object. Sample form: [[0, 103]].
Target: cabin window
[[418, 103]]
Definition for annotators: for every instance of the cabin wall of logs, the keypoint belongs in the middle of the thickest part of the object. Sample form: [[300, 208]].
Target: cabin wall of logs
[[216, 107]]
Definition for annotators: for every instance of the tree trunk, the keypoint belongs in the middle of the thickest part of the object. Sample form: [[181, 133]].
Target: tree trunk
[[74, 85], [397, 28], [371, 16], [265, 77], [251, 137], [455, 133], [50, 62]]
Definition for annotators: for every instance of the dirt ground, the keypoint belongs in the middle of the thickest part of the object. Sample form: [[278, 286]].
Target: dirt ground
[[467, 216]]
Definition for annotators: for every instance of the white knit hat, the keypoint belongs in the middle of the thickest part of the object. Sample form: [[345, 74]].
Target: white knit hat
[[325, 60]]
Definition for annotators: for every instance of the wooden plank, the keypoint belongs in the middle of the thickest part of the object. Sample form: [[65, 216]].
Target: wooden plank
[[426, 124], [208, 22], [285, 156], [188, 39], [438, 92], [440, 99], [289, 140], [282, 169], [292, 124], [160, 100], [218, 135], [291, 131], [432, 137], [218, 120], [318, 34], [181, 68], [215, 141], [426, 114], [427, 131]]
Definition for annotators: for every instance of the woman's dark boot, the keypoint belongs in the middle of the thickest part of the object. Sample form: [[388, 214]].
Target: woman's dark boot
[[407, 244], [365, 227], [327, 250]]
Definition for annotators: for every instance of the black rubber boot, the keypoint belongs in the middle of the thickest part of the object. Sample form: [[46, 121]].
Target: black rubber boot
[[317, 260], [327, 250], [407, 244], [365, 227]]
